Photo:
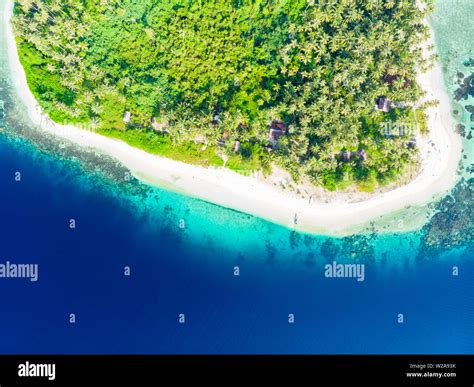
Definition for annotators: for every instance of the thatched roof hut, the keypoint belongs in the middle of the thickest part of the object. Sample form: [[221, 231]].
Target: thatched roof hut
[[383, 104], [277, 129]]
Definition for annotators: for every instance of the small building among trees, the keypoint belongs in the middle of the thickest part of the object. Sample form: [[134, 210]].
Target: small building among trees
[[126, 117], [236, 146], [383, 104], [222, 141], [348, 155], [277, 130]]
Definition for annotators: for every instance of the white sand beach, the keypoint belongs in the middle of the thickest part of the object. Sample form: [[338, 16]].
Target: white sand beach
[[440, 153]]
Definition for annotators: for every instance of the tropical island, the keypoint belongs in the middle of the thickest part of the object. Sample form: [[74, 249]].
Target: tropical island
[[240, 83], [338, 94]]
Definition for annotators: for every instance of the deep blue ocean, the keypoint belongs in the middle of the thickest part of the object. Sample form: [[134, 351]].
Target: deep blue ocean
[[190, 270]]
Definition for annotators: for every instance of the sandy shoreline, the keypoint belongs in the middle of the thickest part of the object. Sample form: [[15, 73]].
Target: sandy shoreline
[[440, 153]]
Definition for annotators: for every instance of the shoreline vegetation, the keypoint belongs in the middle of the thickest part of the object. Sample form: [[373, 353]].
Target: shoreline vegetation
[[326, 92], [426, 160]]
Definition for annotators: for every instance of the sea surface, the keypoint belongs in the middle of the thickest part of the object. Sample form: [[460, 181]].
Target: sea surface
[[183, 255]]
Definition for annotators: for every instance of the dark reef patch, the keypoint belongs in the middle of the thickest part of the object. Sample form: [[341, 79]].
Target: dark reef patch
[[452, 225], [329, 250], [359, 248], [469, 62], [466, 88]]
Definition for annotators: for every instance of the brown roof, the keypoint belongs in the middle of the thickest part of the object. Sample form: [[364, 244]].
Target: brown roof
[[277, 129], [278, 124]]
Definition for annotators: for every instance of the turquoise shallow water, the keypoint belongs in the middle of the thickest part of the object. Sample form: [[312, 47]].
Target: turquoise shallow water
[[190, 270], [454, 35]]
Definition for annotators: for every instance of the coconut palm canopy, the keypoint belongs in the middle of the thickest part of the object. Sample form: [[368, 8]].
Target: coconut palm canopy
[[317, 66]]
